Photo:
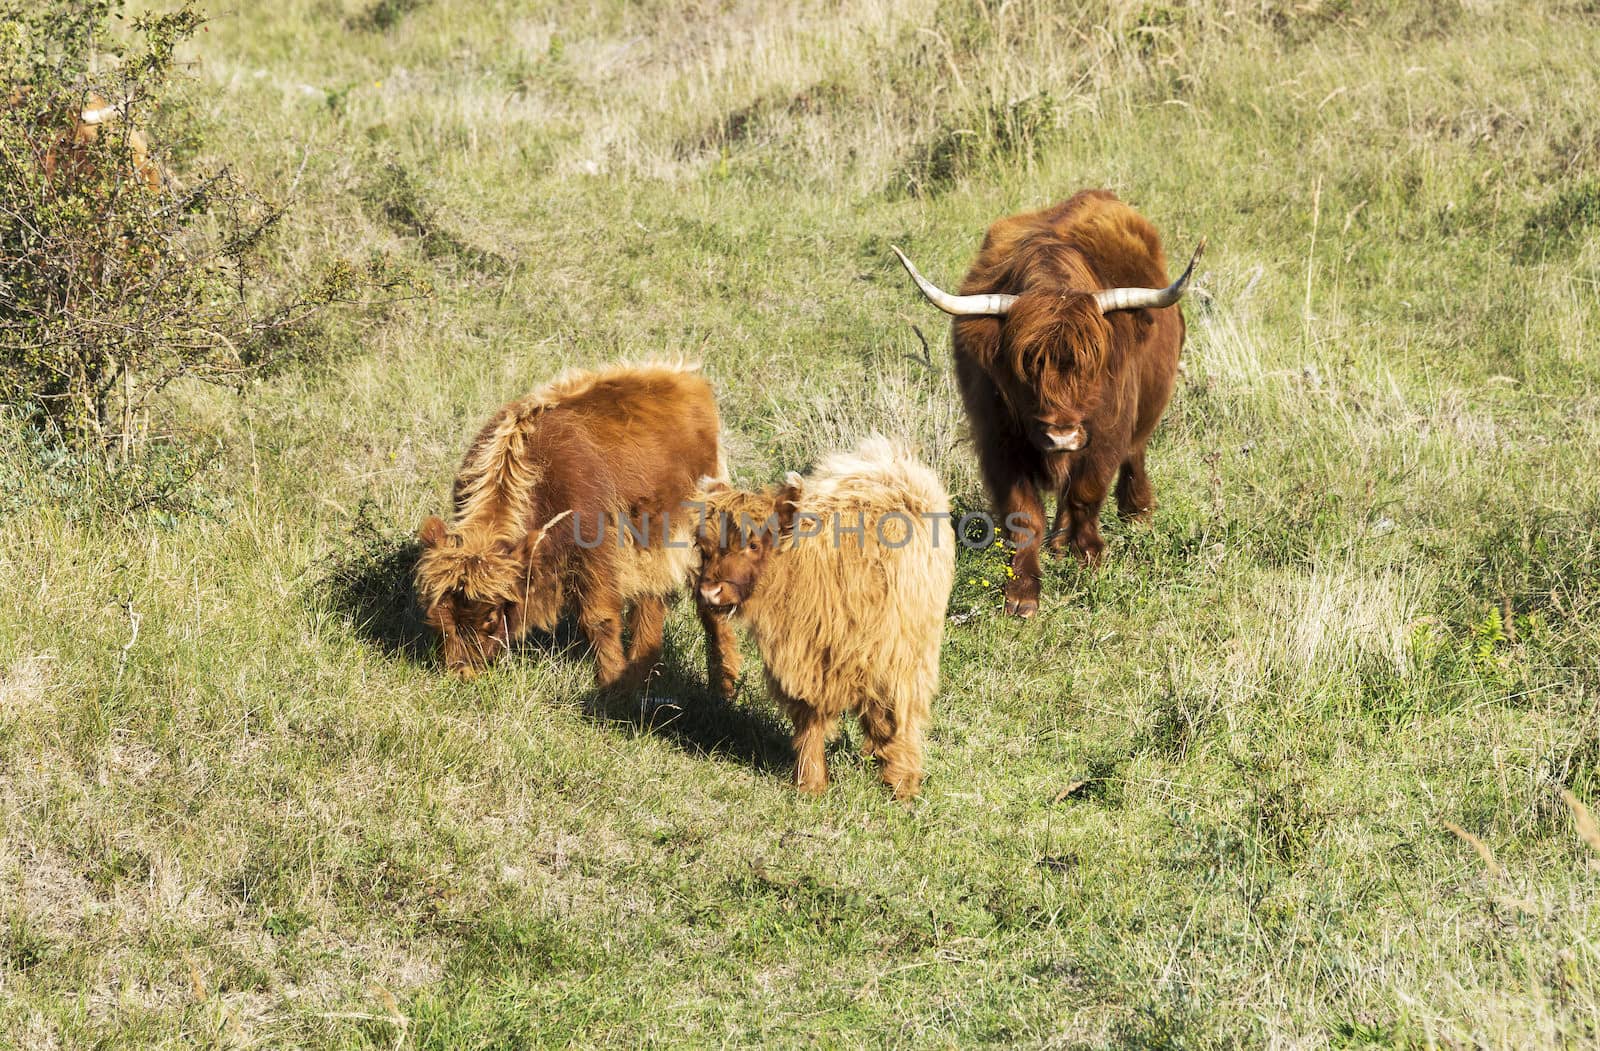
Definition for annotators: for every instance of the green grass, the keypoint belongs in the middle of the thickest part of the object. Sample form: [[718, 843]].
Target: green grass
[[240, 805]]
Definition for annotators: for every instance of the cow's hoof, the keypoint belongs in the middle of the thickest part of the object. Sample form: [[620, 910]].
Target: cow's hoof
[[1022, 607], [906, 786], [1091, 553]]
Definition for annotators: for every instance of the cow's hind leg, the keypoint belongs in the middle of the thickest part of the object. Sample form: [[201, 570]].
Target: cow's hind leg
[[646, 624], [1061, 529], [722, 652], [1135, 497]]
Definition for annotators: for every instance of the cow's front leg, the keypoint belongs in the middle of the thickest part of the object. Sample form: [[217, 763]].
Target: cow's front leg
[[1024, 523], [600, 619]]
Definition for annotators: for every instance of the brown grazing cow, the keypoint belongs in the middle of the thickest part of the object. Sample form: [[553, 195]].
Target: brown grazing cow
[[574, 494], [842, 577], [1066, 353]]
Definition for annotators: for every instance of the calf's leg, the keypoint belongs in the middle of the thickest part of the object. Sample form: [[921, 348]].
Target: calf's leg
[[722, 652], [812, 729], [601, 622], [897, 744], [646, 622]]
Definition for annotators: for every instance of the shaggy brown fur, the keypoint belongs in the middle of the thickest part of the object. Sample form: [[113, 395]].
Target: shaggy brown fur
[[845, 621], [1054, 365], [547, 477]]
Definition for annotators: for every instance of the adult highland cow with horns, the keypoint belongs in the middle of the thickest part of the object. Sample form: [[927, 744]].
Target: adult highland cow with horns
[[1066, 354]]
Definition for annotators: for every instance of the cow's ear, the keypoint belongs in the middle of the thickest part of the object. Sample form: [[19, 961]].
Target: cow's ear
[[786, 504], [432, 531]]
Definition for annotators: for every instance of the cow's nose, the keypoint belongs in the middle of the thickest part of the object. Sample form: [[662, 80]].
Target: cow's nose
[[1067, 440], [711, 594]]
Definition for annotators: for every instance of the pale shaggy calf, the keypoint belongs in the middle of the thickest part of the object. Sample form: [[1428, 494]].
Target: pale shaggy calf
[[842, 577]]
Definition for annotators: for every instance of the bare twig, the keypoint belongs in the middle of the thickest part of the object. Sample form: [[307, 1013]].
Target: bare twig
[[926, 360]]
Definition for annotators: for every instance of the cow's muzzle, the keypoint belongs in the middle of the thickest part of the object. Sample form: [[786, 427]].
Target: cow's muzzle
[[1063, 439], [719, 597]]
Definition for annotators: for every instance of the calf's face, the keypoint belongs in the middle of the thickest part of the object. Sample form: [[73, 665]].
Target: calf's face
[[476, 595], [737, 539], [472, 634]]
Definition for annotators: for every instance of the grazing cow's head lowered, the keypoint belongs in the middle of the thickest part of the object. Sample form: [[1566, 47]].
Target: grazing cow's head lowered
[[737, 536], [478, 593], [1055, 347]]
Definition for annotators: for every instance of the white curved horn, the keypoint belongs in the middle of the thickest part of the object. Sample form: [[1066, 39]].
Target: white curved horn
[[993, 304], [1154, 298]]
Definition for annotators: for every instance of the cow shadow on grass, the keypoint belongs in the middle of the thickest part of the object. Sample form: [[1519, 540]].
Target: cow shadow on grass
[[368, 583], [677, 706]]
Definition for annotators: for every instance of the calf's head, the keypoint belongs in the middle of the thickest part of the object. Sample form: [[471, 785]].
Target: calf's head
[[738, 535], [84, 134], [479, 594]]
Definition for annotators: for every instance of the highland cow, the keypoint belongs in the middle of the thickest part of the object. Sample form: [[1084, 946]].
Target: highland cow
[[1065, 351], [842, 577], [572, 496]]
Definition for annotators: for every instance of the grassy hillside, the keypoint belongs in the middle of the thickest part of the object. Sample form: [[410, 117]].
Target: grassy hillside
[[1286, 772]]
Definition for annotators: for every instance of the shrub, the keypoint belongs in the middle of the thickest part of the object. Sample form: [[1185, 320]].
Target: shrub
[[117, 280]]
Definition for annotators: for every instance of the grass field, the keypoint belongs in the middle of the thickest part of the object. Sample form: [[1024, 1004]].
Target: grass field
[[1287, 771]]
